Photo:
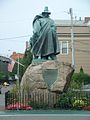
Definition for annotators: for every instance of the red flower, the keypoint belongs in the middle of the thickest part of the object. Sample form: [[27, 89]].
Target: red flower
[[19, 106], [86, 108]]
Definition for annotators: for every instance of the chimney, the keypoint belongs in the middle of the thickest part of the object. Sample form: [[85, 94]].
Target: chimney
[[27, 45]]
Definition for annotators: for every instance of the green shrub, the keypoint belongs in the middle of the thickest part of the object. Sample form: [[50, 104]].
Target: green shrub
[[78, 104], [37, 105], [65, 101]]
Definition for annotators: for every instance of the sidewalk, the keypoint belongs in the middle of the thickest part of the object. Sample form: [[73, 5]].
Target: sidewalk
[[2, 96], [2, 102]]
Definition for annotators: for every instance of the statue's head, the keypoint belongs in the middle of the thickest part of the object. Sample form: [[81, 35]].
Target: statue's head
[[46, 11]]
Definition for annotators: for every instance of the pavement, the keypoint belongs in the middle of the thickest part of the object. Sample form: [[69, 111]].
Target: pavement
[[44, 117], [2, 102], [2, 96]]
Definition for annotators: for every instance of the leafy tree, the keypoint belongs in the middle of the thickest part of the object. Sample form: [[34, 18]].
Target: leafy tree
[[81, 70], [26, 61], [27, 58], [3, 77], [78, 79], [21, 68]]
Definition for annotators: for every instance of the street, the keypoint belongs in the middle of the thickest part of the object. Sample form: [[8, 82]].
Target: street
[[43, 117]]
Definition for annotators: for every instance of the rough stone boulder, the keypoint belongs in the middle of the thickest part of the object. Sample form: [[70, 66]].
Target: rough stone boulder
[[48, 75]]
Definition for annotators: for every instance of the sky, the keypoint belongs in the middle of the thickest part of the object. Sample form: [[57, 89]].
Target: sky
[[16, 18]]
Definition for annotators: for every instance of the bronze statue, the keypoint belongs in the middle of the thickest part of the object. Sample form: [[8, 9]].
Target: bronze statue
[[44, 41]]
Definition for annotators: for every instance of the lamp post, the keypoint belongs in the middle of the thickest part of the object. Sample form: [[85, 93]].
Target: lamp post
[[18, 71]]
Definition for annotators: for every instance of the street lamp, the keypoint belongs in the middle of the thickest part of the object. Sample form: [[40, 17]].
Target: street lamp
[[18, 71]]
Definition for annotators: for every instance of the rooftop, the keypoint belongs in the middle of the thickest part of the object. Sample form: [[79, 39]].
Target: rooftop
[[4, 59], [68, 23]]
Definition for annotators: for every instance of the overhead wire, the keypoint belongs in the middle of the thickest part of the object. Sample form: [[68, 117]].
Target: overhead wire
[[24, 36], [17, 37]]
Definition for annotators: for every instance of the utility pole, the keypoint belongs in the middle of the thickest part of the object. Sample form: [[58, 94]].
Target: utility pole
[[72, 38]]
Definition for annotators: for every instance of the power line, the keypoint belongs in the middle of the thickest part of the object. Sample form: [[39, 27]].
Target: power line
[[14, 21], [28, 19], [17, 37]]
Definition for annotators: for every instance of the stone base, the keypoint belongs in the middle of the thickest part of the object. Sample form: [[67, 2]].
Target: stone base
[[51, 75]]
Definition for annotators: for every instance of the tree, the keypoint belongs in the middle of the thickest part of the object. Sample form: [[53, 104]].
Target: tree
[[79, 79], [27, 58], [26, 61], [3, 77]]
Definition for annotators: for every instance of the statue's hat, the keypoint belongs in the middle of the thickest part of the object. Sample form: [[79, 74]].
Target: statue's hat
[[46, 11]]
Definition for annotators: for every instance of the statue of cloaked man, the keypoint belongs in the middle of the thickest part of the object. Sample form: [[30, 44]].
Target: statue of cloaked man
[[44, 41]]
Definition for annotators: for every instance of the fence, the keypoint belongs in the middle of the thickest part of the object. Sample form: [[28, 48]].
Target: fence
[[48, 100], [36, 99]]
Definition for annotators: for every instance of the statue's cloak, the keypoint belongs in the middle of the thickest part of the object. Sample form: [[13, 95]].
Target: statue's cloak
[[44, 39]]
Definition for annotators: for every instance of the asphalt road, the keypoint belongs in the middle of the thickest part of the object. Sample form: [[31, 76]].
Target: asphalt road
[[43, 117]]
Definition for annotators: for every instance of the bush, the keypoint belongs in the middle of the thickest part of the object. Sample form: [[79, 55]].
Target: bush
[[65, 101], [79, 79], [78, 104], [37, 105]]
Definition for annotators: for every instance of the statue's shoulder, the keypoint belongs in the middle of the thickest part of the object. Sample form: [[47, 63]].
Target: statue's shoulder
[[37, 17]]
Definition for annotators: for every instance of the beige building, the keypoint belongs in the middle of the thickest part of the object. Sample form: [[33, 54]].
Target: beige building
[[81, 33]]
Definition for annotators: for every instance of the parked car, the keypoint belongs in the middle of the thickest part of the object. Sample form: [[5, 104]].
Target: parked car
[[5, 84]]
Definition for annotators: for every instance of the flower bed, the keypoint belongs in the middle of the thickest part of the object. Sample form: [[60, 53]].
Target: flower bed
[[18, 106], [86, 108]]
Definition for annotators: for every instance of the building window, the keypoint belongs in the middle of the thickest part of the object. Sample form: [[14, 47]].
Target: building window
[[63, 47]]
